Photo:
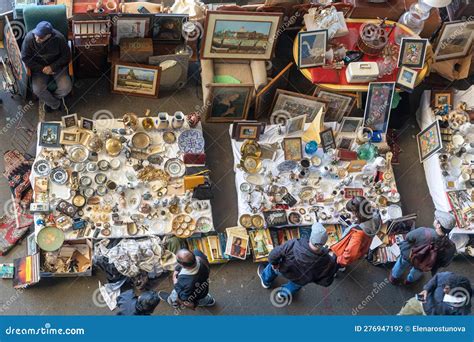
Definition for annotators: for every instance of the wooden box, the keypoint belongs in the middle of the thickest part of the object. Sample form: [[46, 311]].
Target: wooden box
[[136, 50]]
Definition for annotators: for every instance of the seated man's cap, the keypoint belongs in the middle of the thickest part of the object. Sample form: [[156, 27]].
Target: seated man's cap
[[43, 28]]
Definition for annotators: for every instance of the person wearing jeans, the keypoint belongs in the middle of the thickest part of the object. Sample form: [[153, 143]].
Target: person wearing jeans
[[300, 261], [46, 52], [401, 266]]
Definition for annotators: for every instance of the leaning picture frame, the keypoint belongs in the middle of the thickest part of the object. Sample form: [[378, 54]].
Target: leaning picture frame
[[130, 26], [429, 141], [168, 27], [455, 40], [49, 134], [349, 125], [338, 104], [228, 102], [412, 52], [312, 48], [295, 125], [293, 148], [379, 105], [240, 35], [406, 78], [135, 79], [327, 139], [291, 104], [69, 121]]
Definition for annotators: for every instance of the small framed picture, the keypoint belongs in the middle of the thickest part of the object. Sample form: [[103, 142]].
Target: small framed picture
[[429, 141], [327, 139], [228, 102], [49, 134], [70, 138], [69, 121], [406, 78], [345, 143], [412, 52], [249, 131], [87, 124], [441, 98], [295, 125], [455, 40], [350, 125], [293, 148], [312, 48]]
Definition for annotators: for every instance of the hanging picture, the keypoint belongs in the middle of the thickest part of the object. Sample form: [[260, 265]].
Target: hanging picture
[[240, 35], [429, 141], [338, 105], [455, 40], [130, 27], [378, 105], [412, 52], [14, 56], [312, 48], [49, 134], [135, 79], [228, 103], [294, 104]]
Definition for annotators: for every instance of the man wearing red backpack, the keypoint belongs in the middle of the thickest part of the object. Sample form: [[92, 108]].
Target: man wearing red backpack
[[425, 249]]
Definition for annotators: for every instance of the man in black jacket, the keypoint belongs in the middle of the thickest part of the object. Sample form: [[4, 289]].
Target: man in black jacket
[[46, 52], [130, 305], [301, 261], [191, 281]]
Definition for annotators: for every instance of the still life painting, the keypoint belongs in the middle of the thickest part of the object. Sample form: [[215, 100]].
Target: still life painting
[[429, 141]]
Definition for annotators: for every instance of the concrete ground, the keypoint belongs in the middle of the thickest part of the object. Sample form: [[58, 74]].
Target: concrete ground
[[362, 289]]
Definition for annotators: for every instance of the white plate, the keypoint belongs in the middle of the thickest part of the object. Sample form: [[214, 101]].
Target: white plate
[[394, 211]]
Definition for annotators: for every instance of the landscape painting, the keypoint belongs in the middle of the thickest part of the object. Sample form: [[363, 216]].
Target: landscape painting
[[136, 79]]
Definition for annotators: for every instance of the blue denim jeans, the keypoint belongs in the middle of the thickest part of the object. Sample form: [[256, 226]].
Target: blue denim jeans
[[401, 266], [269, 275], [40, 84]]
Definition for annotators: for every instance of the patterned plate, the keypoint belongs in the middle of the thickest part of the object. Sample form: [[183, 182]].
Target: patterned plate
[[287, 165], [59, 176], [191, 141], [175, 168], [42, 167]]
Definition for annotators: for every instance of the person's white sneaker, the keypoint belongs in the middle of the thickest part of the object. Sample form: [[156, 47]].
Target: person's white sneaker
[[260, 269]]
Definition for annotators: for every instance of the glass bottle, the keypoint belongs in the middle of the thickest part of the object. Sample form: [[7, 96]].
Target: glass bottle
[[414, 19]]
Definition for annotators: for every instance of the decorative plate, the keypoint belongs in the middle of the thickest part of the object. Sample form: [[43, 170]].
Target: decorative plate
[[255, 179], [175, 167], [169, 137], [103, 165], [78, 154], [294, 218], [141, 140], [85, 181], [91, 167], [42, 167], [251, 164], [59, 176], [287, 166], [100, 178], [204, 224], [79, 167], [191, 141], [245, 221], [258, 221], [101, 190], [50, 239], [245, 187]]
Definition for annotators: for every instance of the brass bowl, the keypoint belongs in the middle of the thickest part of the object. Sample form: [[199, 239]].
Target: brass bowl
[[141, 140], [113, 147], [251, 164], [130, 120], [148, 124], [250, 148]]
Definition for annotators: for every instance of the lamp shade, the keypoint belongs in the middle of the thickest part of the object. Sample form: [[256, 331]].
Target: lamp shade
[[437, 3]]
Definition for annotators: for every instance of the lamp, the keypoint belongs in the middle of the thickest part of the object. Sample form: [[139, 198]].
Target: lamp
[[415, 17]]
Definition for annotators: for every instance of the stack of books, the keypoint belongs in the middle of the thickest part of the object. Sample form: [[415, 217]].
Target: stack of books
[[213, 246]]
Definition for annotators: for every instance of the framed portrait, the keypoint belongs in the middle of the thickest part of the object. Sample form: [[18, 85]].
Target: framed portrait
[[440, 98], [240, 35], [70, 137], [454, 40], [295, 124], [429, 141], [327, 139], [264, 98], [136, 79], [49, 135], [130, 26], [69, 121], [406, 78], [295, 104], [248, 131], [168, 27], [228, 102], [312, 48], [338, 105], [378, 105], [87, 124], [293, 148], [412, 52], [237, 246], [345, 143], [350, 125]]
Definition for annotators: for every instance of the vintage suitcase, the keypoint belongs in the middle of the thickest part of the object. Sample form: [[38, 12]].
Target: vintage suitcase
[[363, 9], [136, 50]]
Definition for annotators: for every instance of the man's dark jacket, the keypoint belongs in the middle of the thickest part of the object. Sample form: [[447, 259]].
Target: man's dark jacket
[[301, 265], [54, 52], [192, 288]]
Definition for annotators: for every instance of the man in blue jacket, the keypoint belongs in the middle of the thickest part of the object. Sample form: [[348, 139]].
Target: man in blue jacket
[[46, 52]]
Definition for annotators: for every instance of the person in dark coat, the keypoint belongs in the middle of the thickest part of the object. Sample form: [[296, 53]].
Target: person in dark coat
[[130, 305], [301, 261], [443, 224], [46, 52], [191, 281], [446, 294]]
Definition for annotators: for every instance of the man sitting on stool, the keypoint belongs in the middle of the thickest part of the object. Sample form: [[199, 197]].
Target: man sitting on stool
[[46, 52]]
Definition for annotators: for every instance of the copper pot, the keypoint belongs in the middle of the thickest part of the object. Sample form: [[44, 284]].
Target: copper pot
[[130, 120]]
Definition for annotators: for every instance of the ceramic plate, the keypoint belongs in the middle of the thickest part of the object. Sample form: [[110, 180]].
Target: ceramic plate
[[59, 176], [255, 179], [287, 166], [204, 224], [78, 154], [191, 141], [42, 167], [175, 167], [169, 137], [100, 178], [141, 140], [50, 239], [85, 181], [394, 211], [245, 187]]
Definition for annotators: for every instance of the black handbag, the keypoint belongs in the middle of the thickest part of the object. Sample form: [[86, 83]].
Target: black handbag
[[203, 192]]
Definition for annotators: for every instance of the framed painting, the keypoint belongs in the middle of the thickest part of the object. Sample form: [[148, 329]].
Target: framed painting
[[293, 148], [338, 105], [312, 48], [327, 139], [228, 103], [454, 40], [378, 105], [350, 125], [14, 56], [442, 97], [136, 79], [295, 125], [49, 134], [69, 121], [295, 104], [168, 27], [406, 78], [429, 141], [130, 26], [240, 35], [412, 52]]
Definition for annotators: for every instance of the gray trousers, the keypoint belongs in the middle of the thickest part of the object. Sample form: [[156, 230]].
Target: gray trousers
[[40, 83], [172, 299]]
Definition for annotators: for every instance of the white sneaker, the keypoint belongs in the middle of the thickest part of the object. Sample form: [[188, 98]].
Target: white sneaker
[[260, 269]]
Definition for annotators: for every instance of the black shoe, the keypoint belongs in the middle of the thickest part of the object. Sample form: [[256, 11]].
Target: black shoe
[[48, 109], [212, 302], [163, 295]]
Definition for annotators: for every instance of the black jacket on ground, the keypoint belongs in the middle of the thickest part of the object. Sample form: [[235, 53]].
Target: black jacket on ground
[[434, 304], [192, 288], [54, 52], [301, 265]]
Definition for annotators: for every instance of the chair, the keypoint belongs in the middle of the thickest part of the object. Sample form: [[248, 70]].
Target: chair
[[56, 15]]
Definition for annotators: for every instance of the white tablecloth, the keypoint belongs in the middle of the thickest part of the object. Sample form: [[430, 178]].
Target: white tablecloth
[[433, 173], [156, 226]]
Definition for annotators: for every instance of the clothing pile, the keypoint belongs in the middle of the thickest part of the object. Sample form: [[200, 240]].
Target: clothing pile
[[131, 257]]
